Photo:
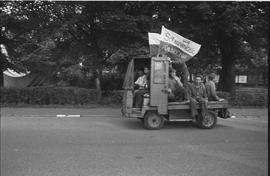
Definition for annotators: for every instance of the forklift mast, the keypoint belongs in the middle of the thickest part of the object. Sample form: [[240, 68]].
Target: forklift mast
[[159, 84]]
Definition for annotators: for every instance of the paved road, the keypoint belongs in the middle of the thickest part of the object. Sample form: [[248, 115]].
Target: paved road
[[110, 145]]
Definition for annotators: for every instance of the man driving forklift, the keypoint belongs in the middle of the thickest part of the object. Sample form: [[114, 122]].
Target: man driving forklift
[[143, 84]]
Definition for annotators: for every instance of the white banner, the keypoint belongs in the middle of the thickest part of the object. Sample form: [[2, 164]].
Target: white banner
[[154, 38], [154, 42], [189, 47]]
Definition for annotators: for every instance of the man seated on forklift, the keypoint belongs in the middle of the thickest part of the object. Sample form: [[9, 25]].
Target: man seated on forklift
[[177, 92], [212, 95], [143, 83], [211, 88], [198, 94]]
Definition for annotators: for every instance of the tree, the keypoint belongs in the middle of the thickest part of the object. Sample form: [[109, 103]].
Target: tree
[[222, 28], [67, 33], [240, 21], [23, 35], [104, 34]]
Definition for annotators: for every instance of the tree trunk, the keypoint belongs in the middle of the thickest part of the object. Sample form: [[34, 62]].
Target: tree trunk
[[2, 79], [98, 57], [97, 76], [227, 77], [227, 48]]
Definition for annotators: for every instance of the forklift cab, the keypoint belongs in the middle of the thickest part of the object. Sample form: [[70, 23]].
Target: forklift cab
[[156, 97], [156, 109]]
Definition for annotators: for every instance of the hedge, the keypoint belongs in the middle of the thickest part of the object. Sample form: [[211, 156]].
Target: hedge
[[82, 96], [48, 95], [112, 97], [245, 98], [239, 98]]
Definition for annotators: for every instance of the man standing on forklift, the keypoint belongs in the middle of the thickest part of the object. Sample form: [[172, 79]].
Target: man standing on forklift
[[176, 90], [183, 71]]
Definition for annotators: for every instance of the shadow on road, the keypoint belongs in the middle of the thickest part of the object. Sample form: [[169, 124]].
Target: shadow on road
[[222, 126], [180, 125], [132, 124], [135, 124]]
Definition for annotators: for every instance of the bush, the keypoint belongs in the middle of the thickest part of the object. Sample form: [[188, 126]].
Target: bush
[[245, 98], [48, 95], [82, 96], [225, 95], [111, 82], [10, 96], [249, 99], [112, 97]]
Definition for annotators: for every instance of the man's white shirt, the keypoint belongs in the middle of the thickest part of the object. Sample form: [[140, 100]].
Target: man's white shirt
[[141, 81]]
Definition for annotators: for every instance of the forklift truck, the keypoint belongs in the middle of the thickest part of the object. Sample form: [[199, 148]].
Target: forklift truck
[[156, 109]]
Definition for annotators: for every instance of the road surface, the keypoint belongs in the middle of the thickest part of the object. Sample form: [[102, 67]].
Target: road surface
[[34, 142]]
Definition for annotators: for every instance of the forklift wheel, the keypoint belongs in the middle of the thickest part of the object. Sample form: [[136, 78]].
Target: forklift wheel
[[153, 121], [208, 122]]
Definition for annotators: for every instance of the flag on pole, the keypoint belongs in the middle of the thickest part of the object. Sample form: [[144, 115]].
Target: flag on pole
[[154, 42], [178, 48]]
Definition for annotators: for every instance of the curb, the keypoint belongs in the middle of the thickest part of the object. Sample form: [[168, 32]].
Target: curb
[[97, 115], [62, 115]]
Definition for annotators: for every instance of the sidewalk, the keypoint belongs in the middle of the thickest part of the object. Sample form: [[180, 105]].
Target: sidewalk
[[110, 112], [52, 112], [258, 113]]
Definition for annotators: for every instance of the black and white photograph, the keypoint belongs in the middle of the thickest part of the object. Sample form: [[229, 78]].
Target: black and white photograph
[[134, 88]]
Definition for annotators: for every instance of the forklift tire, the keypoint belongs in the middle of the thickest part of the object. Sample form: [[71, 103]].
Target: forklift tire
[[153, 121], [208, 122]]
